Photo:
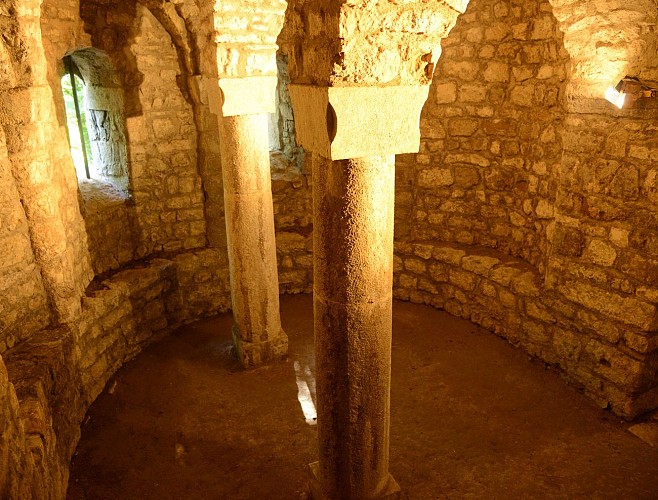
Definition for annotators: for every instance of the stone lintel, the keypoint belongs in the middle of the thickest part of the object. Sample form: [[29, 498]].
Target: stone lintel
[[391, 490], [251, 95], [356, 122], [255, 354]]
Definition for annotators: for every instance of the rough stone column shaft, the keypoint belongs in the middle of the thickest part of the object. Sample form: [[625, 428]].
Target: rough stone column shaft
[[353, 274], [257, 330], [354, 133]]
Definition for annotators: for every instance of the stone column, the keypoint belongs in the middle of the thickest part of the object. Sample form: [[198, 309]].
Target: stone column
[[353, 133], [257, 331], [353, 278]]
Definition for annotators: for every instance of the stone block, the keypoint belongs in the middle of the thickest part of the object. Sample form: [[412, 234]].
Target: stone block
[[641, 342], [354, 113], [464, 280], [435, 177], [567, 345], [526, 283], [424, 251], [448, 255], [479, 264], [469, 158], [628, 310], [613, 365], [536, 333], [496, 72], [439, 272], [536, 310], [503, 274], [619, 236], [507, 298], [415, 265], [407, 281], [462, 126], [445, 92], [487, 289], [604, 328]]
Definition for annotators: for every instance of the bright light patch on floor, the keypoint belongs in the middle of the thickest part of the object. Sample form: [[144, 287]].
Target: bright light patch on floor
[[304, 393]]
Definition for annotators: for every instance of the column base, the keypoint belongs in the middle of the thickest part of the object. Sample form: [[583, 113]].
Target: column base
[[255, 354], [390, 492]]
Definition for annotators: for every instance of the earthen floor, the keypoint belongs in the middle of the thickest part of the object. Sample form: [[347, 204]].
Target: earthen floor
[[471, 417]]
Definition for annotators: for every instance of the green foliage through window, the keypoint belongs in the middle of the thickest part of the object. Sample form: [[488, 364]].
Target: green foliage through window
[[72, 123]]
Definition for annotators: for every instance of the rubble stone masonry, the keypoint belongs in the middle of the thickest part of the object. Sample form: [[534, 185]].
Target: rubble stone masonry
[[532, 214], [531, 208]]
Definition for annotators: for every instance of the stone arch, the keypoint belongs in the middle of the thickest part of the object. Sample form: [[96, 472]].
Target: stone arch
[[490, 152], [606, 41]]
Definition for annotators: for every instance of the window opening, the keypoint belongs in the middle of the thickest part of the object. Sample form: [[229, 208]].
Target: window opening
[[72, 88]]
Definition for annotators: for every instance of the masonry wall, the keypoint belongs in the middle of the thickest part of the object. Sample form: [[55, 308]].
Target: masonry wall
[[61, 335], [41, 163], [491, 150], [24, 306], [528, 213], [113, 231], [533, 215], [292, 195], [166, 185]]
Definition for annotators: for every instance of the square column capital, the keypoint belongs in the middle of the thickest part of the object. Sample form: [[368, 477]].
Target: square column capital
[[250, 95], [355, 122]]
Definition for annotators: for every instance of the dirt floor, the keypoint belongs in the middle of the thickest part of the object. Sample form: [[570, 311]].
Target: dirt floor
[[472, 417]]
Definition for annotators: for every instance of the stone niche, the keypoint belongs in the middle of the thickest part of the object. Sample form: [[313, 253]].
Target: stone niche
[[103, 100], [491, 150]]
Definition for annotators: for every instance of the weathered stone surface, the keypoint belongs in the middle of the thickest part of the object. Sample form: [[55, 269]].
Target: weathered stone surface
[[257, 330], [490, 126], [479, 264], [359, 43], [625, 309], [528, 213]]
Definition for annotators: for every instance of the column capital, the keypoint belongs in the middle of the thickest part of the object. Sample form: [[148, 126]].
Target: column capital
[[358, 121], [249, 95]]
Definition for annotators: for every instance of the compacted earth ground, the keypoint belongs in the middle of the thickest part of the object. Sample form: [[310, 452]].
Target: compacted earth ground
[[471, 417]]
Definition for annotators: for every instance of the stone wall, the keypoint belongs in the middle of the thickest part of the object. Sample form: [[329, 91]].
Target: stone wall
[[15, 466], [490, 149], [40, 161], [60, 344], [508, 296], [293, 221], [529, 214], [532, 215], [23, 301], [348, 43], [112, 227], [166, 185], [139, 305], [606, 41], [58, 372]]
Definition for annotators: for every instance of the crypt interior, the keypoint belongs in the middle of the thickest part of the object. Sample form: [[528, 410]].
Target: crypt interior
[[383, 248]]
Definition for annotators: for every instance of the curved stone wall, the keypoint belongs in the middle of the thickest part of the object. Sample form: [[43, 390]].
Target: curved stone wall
[[490, 149], [516, 170], [596, 338], [523, 212]]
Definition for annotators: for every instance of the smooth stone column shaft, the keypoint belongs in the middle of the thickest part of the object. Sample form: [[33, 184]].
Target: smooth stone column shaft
[[257, 331], [353, 274]]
